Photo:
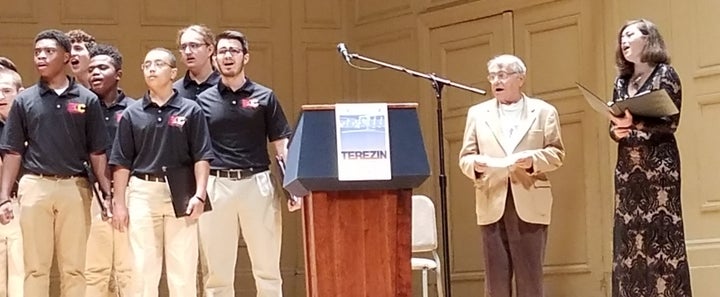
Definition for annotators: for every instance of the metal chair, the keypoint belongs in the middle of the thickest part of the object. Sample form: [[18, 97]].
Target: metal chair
[[424, 239]]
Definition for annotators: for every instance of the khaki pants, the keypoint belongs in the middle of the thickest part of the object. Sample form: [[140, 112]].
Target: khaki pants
[[108, 258], [12, 268], [155, 232], [249, 205], [54, 216]]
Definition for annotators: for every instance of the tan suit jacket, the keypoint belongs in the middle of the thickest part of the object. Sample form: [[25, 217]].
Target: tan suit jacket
[[538, 134]]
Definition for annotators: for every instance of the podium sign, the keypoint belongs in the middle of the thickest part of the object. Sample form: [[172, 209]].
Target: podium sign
[[363, 141]]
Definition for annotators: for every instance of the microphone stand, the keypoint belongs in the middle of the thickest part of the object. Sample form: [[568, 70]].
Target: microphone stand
[[437, 84]]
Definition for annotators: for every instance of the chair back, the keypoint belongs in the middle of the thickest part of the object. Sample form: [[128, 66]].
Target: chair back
[[424, 228]]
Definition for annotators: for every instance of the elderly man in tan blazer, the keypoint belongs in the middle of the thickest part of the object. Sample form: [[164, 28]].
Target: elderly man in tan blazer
[[510, 143]]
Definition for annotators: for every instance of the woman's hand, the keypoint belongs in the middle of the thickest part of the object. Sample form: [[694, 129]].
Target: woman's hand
[[626, 121]]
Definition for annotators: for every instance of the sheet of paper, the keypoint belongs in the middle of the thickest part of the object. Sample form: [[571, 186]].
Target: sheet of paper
[[499, 162], [504, 162]]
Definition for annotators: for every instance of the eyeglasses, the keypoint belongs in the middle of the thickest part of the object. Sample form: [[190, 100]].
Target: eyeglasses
[[492, 76], [232, 50], [156, 63], [193, 46]]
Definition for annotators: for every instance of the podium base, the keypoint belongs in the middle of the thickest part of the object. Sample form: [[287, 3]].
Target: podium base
[[357, 243]]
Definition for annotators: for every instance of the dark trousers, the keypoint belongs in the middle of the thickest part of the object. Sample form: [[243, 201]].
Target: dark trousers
[[510, 246]]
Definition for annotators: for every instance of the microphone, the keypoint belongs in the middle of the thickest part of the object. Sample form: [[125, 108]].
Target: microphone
[[343, 51]]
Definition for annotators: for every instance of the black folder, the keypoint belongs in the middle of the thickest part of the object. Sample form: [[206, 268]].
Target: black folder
[[649, 104], [181, 181], [281, 165]]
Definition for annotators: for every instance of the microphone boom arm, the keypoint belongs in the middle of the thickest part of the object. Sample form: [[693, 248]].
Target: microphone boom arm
[[431, 77]]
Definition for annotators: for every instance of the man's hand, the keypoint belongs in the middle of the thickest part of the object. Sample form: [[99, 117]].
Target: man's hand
[[294, 205], [6, 212], [107, 206], [195, 208], [524, 162], [480, 167], [119, 216]]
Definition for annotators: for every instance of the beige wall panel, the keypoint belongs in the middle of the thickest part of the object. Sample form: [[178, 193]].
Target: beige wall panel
[[367, 11], [573, 259], [659, 14], [93, 12], [548, 38], [246, 13], [156, 13], [261, 65], [20, 51], [437, 13], [19, 11], [388, 85], [704, 266], [322, 78], [695, 48], [710, 117], [705, 38], [702, 204], [320, 75], [550, 49], [701, 108], [322, 14]]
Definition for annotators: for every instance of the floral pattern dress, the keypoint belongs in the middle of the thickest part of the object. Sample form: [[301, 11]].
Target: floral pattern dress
[[649, 254]]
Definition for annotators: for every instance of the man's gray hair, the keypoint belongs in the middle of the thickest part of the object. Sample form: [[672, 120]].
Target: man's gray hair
[[511, 62]]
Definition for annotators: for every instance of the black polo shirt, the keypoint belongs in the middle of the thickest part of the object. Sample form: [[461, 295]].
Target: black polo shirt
[[241, 123], [150, 137], [113, 113], [188, 88], [60, 130]]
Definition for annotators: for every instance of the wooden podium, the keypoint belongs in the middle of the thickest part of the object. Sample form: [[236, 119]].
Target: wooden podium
[[356, 233]]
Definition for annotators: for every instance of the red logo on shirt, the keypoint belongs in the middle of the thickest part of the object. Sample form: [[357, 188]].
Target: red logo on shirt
[[177, 121], [75, 108], [250, 103]]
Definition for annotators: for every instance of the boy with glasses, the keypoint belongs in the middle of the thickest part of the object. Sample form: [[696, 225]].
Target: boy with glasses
[[196, 45], [161, 131]]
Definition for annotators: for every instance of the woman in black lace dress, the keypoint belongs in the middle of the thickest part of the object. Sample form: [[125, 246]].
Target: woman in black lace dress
[[649, 255]]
